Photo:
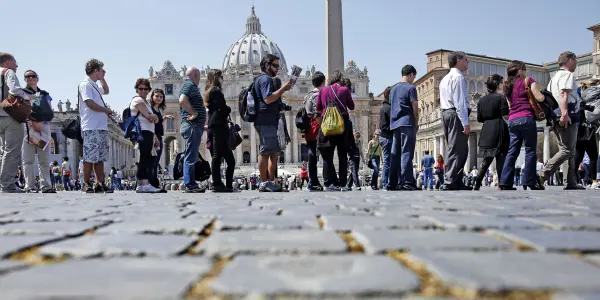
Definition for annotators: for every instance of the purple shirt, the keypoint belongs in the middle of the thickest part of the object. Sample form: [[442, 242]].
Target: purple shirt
[[519, 102], [343, 94]]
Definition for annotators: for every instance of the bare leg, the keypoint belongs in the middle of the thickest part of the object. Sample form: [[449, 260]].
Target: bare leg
[[273, 166], [263, 165], [99, 171], [87, 172]]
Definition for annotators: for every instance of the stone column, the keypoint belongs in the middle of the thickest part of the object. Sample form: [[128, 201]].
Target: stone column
[[417, 159], [238, 150], [364, 127], [253, 145], [443, 146], [434, 151], [472, 160], [546, 143], [288, 148], [334, 35], [294, 137]]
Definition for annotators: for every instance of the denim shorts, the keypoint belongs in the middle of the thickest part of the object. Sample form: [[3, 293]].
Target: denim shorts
[[268, 139]]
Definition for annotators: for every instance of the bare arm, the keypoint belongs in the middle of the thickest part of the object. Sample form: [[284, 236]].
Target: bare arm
[[564, 102], [144, 111], [104, 86], [184, 101], [415, 107], [535, 89], [95, 107], [276, 95]]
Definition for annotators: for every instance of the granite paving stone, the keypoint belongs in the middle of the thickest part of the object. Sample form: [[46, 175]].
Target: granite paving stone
[[168, 226], [554, 240], [576, 296], [375, 241], [11, 244], [266, 222], [119, 245], [276, 241], [568, 222], [314, 275], [49, 228], [11, 265], [116, 278], [595, 258], [372, 222], [477, 222], [502, 271]]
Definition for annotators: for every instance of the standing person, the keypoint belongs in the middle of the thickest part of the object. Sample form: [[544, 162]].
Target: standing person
[[564, 89], [157, 102], [522, 127], [385, 136], [428, 163], [454, 102], [57, 174], [586, 134], [193, 119], [303, 174], [66, 172], [439, 170], [94, 125], [318, 81], [354, 156], [493, 144], [341, 96], [374, 155], [30, 150], [218, 122], [11, 131], [141, 108], [403, 123], [267, 122]]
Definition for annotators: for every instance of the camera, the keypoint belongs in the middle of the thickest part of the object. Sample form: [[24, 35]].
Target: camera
[[284, 107]]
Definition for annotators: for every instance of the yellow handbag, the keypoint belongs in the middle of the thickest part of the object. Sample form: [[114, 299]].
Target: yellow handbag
[[333, 122]]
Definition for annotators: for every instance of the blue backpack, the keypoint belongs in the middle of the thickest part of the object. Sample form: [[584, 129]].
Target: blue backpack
[[131, 126]]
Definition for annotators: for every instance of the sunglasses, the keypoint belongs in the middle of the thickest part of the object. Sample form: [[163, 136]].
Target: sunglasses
[[30, 76], [275, 66], [143, 89]]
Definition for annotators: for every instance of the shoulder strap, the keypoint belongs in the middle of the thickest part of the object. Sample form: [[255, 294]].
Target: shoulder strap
[[3, 82], [336, 97]]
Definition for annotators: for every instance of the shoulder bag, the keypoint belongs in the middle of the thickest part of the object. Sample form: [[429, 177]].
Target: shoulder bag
[[538, 111], [16, 107], [333, 122]]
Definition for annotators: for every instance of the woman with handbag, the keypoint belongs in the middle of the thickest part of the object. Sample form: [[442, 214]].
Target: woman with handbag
[[143, 110], [157, 102], [522, 93], [586, 134], [493, 144], [333, 100], [218, 124]]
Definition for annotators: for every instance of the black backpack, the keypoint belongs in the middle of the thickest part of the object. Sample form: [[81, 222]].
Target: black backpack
[[247, 104], [125, 115], [41, 110], [71, 129], [302, 119], [201, 168]]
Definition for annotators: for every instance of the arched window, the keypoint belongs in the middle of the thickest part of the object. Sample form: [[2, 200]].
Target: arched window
[[472, 87]]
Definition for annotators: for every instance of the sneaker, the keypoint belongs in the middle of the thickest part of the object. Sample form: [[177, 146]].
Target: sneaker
[[316, 188], [196, 189], [88, 188], [49, 191], [346, 189], [595, 186], [146, 189], [107, 190], [14, 191], [31, 191], [222, 189], [333, 188], [262, 187]]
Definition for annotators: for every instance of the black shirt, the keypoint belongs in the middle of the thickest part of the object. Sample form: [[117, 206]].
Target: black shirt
[[384, 120], [159, 128], [218, 111]]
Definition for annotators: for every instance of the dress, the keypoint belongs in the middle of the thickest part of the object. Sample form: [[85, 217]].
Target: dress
[[494, 137]]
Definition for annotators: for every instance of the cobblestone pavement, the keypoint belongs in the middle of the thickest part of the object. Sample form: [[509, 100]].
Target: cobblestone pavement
[[380, 245]]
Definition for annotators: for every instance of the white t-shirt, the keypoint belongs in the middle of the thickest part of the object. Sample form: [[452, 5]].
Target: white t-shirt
[[91, 120], [66, 166], [564, 80], [144, 123]]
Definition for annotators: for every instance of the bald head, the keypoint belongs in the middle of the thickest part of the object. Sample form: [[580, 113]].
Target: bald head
[[193, 74]]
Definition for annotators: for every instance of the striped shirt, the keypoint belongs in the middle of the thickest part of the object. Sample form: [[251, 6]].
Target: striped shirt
[[190, 89]]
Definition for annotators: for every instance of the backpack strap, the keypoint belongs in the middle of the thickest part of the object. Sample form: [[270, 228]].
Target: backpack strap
[[338, 99]]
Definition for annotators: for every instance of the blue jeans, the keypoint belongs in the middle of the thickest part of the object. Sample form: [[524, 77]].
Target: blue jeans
[[313, 178], [403, 149], [428, 177], [192, 136], [386, 149], [521, 130], [375, 160]]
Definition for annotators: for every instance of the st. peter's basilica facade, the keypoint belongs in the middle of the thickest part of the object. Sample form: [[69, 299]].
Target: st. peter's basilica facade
[[241, 63]]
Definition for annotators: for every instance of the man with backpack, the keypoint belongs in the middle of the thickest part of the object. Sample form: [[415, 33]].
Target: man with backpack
[[11, 131], [266, 124], [311, 132]]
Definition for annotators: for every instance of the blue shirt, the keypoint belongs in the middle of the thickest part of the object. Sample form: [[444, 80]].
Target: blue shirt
[[190, 89], [268, 113], [401, 99], [428, 161]]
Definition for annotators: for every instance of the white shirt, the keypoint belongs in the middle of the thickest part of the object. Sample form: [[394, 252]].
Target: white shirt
[[91, 120], [144, 123], [454, 94], [564, 80], [66, 166]]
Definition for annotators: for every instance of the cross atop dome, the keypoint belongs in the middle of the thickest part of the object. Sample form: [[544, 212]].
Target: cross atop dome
[[253, 23]]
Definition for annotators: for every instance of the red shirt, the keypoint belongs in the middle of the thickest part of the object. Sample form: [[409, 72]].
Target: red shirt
[[303, 172]]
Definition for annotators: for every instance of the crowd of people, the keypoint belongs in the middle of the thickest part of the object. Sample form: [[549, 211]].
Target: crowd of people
[[508, 113]]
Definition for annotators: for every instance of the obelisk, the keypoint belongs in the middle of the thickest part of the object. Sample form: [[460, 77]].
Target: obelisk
[[334, 36]]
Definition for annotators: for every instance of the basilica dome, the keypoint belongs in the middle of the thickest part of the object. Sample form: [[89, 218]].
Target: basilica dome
[[244, 56]]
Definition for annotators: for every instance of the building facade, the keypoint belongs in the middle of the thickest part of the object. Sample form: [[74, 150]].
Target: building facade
[[241, 63]]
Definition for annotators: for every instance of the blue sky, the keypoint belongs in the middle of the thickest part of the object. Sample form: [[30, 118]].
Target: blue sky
[[56, 38]]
